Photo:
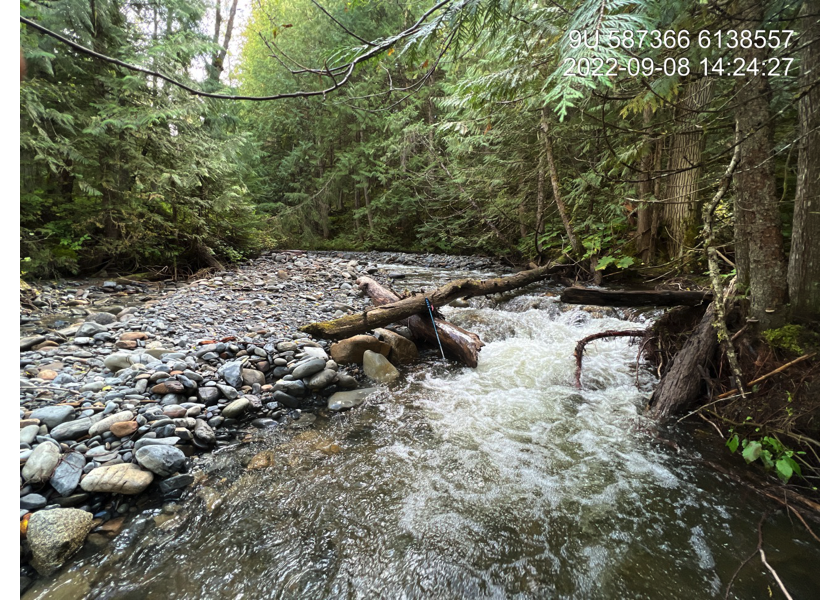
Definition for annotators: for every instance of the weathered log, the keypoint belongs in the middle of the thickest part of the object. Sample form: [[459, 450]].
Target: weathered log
[[581, 345], [681, 385], [402, 309], [596, 297], [460, 344]]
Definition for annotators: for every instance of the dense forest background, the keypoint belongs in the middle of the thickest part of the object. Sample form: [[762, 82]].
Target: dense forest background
[[456, 126]]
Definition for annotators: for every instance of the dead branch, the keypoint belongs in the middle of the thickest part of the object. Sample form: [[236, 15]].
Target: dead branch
[[768, 375], [579, 348]]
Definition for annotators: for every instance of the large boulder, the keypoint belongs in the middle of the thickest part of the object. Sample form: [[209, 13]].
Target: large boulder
[[55, 535], [403, 351], [352, 350], [378, 368]]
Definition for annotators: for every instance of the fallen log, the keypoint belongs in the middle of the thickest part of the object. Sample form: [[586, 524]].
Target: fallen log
[[460, 344], [392, 312], [581, 345], [597, 297]]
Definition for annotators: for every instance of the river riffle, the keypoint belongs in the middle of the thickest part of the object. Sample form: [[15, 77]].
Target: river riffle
[[502, 481]]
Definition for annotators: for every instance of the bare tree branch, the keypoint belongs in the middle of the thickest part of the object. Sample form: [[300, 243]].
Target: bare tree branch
[[347, 31], [346, 69]]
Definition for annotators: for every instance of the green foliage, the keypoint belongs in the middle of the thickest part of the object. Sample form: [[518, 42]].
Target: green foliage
[[774, 454], [435, 145], [116, 169], [788, 338]]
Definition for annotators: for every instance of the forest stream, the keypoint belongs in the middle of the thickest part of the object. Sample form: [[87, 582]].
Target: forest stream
[[502, 481]]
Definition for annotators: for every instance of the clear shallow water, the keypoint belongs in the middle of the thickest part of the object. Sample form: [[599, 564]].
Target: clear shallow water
[[498, 482]]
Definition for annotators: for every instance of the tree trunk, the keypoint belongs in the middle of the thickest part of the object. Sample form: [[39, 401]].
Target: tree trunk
[[356, 207], [758, 233], [367, 207], [390, 313], [577, 248], [460, 344], [218, 63], [647, 221], [681, 211], [804, 266], [541, 197], [682, 384]]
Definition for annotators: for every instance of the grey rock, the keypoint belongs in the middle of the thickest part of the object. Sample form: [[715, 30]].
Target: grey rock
[[55, 535], [236, 408], [63, 378], [93, 386], [28, 433], [52, 416], [229, 392], [232, 373], [203, 434], [66, 476], [105, 424], [253, 377], [308, 368], [89, 329], [103, 318], [293, 388], [343, 400], [321, 380], [285, 399], [41, 463], [27, 342], [163, 460], [32, 502], [347, 382], [161, 441]]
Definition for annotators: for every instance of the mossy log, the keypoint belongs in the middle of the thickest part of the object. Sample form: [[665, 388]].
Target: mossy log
[[392, 312], [460, 344]]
